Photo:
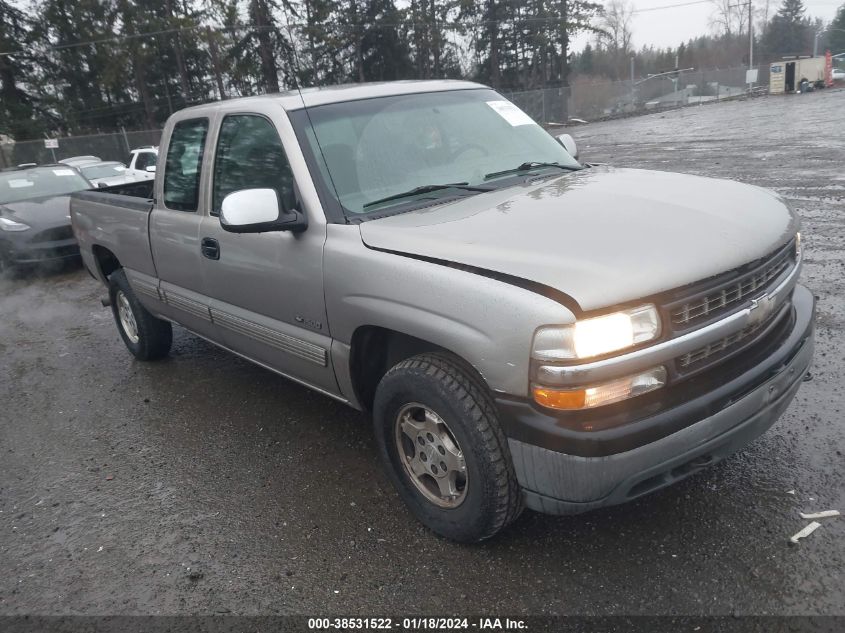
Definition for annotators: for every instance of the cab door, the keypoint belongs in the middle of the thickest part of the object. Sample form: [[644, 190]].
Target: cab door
[[175, 229], [266, 289]]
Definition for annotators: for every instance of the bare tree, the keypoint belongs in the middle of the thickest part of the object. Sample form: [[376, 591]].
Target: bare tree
[[615, 33], [616, 26], [730, 17], [763, 13]]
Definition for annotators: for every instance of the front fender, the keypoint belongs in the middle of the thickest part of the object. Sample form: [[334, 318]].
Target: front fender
[[487, 322]]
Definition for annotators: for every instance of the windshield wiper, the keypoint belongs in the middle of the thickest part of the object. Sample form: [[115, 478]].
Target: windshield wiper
[[532, 164], [426, 189]]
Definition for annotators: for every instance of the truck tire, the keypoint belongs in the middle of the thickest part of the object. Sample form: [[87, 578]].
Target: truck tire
[[147, 337], [440, 440]]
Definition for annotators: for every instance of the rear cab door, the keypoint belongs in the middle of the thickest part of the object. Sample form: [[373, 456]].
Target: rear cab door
[[175, 224]]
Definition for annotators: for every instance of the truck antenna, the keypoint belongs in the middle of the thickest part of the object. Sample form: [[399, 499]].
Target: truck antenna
[[296, 71]]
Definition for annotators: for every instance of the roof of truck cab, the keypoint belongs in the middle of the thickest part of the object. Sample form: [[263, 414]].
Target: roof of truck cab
[[311, 97]]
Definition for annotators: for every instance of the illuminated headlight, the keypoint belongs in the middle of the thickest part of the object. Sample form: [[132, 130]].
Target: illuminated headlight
[[601, 394], [597, 336], [10, 225]]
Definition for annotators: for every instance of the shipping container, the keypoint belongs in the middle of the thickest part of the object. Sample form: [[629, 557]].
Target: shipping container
[[785, 76]]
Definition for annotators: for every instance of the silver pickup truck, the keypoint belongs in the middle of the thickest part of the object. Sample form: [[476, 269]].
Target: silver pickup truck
[[525, 329]]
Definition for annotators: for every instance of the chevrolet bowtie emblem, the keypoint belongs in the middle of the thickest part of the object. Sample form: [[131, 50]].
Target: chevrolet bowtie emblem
[[760, 309]]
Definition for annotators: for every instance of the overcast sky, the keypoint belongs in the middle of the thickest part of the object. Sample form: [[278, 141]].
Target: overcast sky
[[670, 27]]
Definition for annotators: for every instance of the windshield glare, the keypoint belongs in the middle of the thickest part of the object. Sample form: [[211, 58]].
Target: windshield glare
[[103, 171], [40, 182], [375, 148]]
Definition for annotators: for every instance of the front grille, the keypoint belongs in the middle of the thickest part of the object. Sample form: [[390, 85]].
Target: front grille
[[54, 235], [718, 347], [724, 297], [718, 351]]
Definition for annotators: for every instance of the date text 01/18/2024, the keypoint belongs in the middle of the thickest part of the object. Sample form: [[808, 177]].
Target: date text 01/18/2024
[[416, 624]]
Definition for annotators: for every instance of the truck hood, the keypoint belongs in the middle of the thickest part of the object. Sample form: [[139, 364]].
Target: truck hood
[[39, 213], [603, 236]]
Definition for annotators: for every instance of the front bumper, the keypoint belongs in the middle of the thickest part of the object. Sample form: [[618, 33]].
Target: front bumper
[[702, 431], [26, 254]]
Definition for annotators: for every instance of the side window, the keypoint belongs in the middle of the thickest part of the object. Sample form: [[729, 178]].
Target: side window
[[141, 161], [183, 165], [250, 156]]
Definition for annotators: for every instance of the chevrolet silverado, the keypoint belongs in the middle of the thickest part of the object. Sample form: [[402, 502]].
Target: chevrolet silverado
[[525, 330]]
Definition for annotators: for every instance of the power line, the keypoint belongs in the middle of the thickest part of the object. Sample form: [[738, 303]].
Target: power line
[[671, 6]]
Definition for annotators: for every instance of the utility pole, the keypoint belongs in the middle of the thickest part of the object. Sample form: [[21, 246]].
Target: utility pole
[[750, 38], [677, 77]]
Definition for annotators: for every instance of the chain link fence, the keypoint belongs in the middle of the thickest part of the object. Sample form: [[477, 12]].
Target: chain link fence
[[114, 146], [583, 100], [591, 100]]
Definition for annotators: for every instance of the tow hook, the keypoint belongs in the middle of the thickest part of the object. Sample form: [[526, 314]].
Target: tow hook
[[106, 301]]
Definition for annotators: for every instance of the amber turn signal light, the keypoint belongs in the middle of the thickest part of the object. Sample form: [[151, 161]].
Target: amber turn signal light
[[605, 393]]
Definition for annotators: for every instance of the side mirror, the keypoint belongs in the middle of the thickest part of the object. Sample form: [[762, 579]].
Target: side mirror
[[568, 144], [258, 211], [151, 169], [101, 185]]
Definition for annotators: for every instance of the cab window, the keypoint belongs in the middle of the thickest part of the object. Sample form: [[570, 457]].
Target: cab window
[[184, 164], [250, 156]]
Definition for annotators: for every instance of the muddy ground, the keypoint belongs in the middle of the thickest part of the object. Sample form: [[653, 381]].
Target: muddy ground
[[203, 484]]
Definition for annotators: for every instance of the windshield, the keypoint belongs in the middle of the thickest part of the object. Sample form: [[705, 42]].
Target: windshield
[[39, 182], [373, 149], [104, 170]]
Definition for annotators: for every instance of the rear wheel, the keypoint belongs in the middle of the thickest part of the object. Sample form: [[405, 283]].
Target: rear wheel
[[439, 437], [147, 337]]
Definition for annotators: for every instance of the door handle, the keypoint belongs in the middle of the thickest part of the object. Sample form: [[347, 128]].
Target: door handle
[[210, 248]]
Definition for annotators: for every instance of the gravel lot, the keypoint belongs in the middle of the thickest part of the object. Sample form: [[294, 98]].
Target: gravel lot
[[203, 484]]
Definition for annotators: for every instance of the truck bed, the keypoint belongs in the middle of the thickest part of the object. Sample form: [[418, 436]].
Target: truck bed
[[128, 194], [114, 219]]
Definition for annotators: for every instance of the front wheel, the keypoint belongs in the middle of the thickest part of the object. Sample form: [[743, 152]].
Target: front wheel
[[147, 337], [439, 437]]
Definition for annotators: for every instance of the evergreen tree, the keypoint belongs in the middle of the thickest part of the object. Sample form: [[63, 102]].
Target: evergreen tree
[[788, 32], [79, 82], [385, 51], [97, 65], [18, 107], [836, 32], [264, 53]]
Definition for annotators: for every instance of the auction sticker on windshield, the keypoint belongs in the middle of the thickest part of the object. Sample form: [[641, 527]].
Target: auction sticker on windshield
[[510, 113]]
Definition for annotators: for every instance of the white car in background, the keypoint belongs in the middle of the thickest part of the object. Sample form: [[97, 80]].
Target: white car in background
[[838, 74], [142, 163], [107, 173]]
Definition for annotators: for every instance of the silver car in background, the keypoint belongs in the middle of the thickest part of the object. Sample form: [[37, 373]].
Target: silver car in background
[[108, 173]]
